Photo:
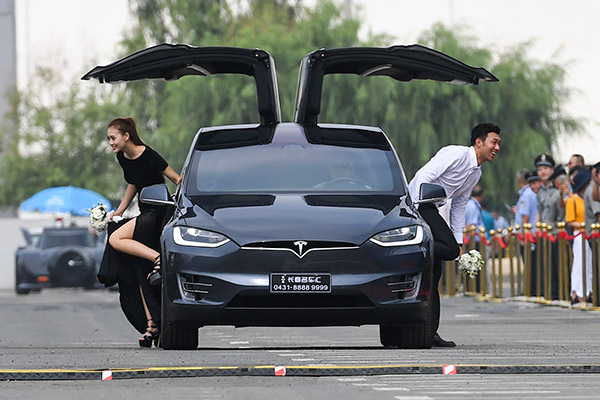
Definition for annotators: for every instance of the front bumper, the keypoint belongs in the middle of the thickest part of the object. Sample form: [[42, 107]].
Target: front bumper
[[230, 285]]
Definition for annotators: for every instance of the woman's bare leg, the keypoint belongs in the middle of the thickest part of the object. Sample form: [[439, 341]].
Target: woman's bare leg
[[151, 328], [122, 240]]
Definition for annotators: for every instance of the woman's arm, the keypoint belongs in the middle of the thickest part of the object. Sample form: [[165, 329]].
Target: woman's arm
[[172, 175], [129, 193]]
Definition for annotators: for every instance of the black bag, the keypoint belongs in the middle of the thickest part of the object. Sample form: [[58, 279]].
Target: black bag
[[109, 267]]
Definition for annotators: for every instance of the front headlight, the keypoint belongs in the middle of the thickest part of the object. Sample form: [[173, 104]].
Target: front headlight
[[185, 236], [399, 237]]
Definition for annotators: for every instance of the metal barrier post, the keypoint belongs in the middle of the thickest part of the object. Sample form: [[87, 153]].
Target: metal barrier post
[[550, 261], [472, 245], [483, 280], [583, 264], [520, 261], [527, 260], [500, 274], [511, 256], [594, 245], [493, 269], [562, 263], [538, 265]]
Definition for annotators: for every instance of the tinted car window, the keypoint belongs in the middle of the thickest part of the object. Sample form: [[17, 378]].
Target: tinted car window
[[295, 167], [57, 239]]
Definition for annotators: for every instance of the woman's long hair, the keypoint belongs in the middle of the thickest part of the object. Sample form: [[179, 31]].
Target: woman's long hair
[[126, 125]]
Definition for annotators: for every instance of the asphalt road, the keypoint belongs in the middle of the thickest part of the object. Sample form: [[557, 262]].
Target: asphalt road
[[505, 351]]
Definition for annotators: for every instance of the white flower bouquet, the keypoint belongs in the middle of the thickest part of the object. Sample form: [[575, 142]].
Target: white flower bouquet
[[98, 217], [470, 263]]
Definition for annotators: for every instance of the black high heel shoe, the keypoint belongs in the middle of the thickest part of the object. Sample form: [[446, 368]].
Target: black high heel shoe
[[154, 278], [152, 335]]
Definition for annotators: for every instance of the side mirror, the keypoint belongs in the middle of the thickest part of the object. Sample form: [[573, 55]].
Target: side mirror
[[431, 193], [156, 195]]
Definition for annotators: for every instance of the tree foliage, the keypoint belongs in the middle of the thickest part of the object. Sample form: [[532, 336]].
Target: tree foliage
[[419, 117]]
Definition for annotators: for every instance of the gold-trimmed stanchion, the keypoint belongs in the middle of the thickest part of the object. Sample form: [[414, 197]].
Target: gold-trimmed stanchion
[[583, 264], [538, 264], [483, 280], [511, 256], [594, 245], [493, 268], [520, 262], [549, 261], [471, 291], [562, 264], [527, 259], [500, 269]]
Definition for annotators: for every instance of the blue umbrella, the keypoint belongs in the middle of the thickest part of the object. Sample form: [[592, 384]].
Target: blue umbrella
[[64, 199]]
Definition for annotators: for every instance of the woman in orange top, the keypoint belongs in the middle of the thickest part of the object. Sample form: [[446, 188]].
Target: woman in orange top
[[575, 217]]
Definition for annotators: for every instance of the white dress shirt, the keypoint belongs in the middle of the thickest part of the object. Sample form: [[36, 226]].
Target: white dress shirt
[[454, 168]]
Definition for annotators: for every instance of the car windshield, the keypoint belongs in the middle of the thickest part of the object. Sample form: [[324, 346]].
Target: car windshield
[[66, 238], [295, 167]]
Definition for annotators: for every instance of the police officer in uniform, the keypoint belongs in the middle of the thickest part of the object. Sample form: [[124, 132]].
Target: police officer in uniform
[[549, 212]]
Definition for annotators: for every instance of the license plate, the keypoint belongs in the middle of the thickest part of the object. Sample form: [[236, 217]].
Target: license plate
[[300, 283]]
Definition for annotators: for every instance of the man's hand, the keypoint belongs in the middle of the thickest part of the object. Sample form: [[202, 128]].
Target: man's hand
[[461, 251]]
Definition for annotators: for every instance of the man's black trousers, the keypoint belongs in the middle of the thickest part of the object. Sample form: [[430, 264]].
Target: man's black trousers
[[445, 248]]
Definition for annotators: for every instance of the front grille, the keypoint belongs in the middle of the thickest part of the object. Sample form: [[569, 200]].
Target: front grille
[[300, 247], [299, 301]]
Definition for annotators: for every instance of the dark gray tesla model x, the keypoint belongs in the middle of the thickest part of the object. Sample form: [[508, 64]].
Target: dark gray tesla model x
[[296, 223]]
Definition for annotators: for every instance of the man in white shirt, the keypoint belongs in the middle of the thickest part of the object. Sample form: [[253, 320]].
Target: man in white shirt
[[457, 169]]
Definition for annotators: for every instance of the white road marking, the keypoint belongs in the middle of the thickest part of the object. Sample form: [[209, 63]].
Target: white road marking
[[351, 379], [413, 398]]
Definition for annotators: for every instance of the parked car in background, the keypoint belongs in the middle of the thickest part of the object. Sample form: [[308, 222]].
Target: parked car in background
[[57, 257], [294, 223]]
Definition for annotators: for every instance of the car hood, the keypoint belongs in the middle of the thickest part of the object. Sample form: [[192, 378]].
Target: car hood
[[257, 218]]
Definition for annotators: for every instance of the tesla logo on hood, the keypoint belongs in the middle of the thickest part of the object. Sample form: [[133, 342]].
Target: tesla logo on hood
[[300, 244]]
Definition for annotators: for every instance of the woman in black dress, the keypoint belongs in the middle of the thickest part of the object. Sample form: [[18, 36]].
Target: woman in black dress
[[139, 237]]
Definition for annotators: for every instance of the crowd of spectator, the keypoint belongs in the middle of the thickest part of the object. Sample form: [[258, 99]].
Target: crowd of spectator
[[550, 194]]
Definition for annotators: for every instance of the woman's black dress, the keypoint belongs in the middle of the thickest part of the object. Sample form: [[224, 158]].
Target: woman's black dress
[[143, 171]]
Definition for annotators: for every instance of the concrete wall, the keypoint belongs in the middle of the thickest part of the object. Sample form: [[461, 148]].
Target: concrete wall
[[8, 56]]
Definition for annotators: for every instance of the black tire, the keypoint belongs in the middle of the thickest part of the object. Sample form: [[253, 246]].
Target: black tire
[[409, 336], [174, 337], [19, 279], [22, 291]]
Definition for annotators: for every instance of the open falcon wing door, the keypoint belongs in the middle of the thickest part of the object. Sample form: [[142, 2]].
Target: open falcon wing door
[[403, 63], [172, 61]]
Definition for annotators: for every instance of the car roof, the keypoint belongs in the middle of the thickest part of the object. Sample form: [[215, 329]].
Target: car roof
[[402, 63], [173, 61], [217, 138]]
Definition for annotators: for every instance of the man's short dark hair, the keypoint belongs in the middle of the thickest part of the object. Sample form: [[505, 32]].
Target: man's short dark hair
[[481, 131], [579, 158], [477, 191]]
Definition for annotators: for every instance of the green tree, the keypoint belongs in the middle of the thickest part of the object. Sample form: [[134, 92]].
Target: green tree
[[62, 143], [422, 116]]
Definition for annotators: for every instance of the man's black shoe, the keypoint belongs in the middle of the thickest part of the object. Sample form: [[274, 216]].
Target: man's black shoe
[[439, 342]]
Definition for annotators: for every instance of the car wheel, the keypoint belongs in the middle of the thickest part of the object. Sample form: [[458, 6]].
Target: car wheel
[[413, 336], [19, 278], [172, 336], [22, 291]]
